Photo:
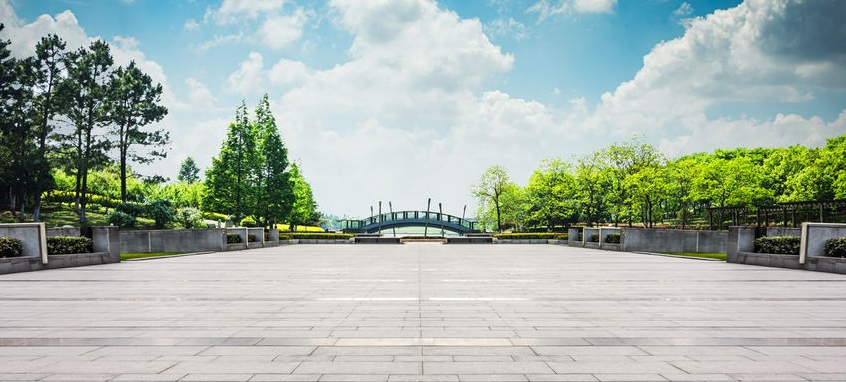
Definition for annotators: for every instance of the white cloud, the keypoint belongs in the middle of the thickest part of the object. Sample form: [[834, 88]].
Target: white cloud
[[756, 52], [199, 94], [232, 11], [546, 9], [286, 73], [684, 10], [278, 31], [221, 40], [507, 28], [191, 25], [249, 78]]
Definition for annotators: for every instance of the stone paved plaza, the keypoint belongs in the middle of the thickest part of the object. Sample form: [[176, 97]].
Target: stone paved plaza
[[423, 312]]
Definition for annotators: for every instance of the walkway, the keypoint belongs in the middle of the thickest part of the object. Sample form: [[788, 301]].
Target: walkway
[[422, 312]]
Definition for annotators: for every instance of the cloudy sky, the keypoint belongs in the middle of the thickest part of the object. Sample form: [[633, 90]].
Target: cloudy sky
[[403, 100]]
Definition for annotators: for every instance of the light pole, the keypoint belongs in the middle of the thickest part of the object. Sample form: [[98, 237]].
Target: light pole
[[379, 226], [426, 218], [441, 217], [391, 210]]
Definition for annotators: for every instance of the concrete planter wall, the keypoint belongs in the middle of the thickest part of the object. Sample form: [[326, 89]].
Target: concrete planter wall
[[672, 240], [322, 241], [34, 257], [521, 241], [740, 248], [173, 240]]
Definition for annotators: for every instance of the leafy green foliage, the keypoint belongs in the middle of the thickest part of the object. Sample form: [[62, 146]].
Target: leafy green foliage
[[784, 245], [320, 236], [233, 238], [594, 238], [613, 238], [121, 219], [10, 247], [162, 212], [252, 238], [835, 247], [284, 237], [188, 171], [562, 236], [495, 193], [526, 236], [190, 218], [248, 222], [62, 245]]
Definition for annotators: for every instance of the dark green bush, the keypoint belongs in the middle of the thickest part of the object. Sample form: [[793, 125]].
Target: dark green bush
[[121, 219], [783, 245], [525, 236], [248, 222], [284, 237], [562, 236], [233, 238], [10, 247], [63, 245], [131, 209], [321, 236], [251, 238], [594, 238], [836, 247], [162, 212], [612, 238]]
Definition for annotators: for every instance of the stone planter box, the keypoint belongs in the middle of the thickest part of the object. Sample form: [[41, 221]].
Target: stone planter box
[[320, 241], [376, 240], [591, 244], [820, 264], [557, 242], [470, 240], [236, 246], [32, 263], [521, 241]]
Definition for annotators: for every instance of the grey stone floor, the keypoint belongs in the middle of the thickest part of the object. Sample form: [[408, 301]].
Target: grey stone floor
[[422, 312]]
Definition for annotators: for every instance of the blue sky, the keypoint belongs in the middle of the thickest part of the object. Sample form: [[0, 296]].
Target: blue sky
[[408, 99]]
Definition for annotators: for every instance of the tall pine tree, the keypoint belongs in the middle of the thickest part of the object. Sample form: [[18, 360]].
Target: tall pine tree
[[274, 197], [230, 180]]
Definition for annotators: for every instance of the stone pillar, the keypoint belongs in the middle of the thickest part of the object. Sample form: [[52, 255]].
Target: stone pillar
[[107, 239]]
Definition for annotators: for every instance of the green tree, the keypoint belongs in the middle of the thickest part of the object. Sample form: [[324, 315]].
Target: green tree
[[230, 180], [85, 103], [274, 194], [680, 177], [624, 160], [133, 104], [734, 182], [48, 68], [647, 188], [593, 182], [304, 210], [188, 171], [489, 189], [551, 195]]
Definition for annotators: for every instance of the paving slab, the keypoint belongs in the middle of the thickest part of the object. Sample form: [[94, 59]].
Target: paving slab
[[423, 312]]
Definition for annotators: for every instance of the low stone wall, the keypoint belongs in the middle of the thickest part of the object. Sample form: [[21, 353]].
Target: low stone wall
[[321, 241], [33, 236], [469, 240], [521, 241], [814, 237], [63, 231], [672, 240], [173, 240], [740, 248]]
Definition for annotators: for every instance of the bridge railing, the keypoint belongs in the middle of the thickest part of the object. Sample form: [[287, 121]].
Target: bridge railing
[[434, 217]]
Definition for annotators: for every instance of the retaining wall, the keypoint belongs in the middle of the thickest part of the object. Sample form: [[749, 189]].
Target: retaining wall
[[672, 240], [740, 248], [34, 239], [181, 240]]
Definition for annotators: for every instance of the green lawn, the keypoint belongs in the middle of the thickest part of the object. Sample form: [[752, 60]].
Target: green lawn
[[141, 255], [707, 255]]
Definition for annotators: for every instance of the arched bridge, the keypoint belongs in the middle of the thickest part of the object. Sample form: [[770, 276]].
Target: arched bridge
[[400, 219]]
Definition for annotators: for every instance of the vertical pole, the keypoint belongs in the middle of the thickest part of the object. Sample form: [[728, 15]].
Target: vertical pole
[[426, 218], [371, 215], [380, 217], [441, 217], [391, 210], [462, 215]]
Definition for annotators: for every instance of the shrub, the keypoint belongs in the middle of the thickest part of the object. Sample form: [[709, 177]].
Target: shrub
[[562, 236], [161, 212], [525, 236], [10, 247], [121, 219], [215, 216], [836, 247], [284, 237], [63, 245], [233, 238], [248, 222], [784, 245], [131, 208], [594, 238], [321, 236], [612, 238], [252, 238], [190, 218]]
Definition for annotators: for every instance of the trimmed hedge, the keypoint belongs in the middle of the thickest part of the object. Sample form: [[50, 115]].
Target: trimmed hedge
[[782, 245], [233, 238], [252, 238], [612, 238], [64, 245], [321, 236], [562, 236], [836, 247], [284, 237], [525, 236], [10, 247], [594, 238], [248, 222]]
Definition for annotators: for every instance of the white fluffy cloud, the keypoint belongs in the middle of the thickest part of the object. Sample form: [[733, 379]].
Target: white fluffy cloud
[[232, 11], [739, 55], [276, 29], [546, 9]]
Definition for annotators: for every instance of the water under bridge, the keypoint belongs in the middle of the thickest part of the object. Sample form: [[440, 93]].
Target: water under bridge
[[402, 219]]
